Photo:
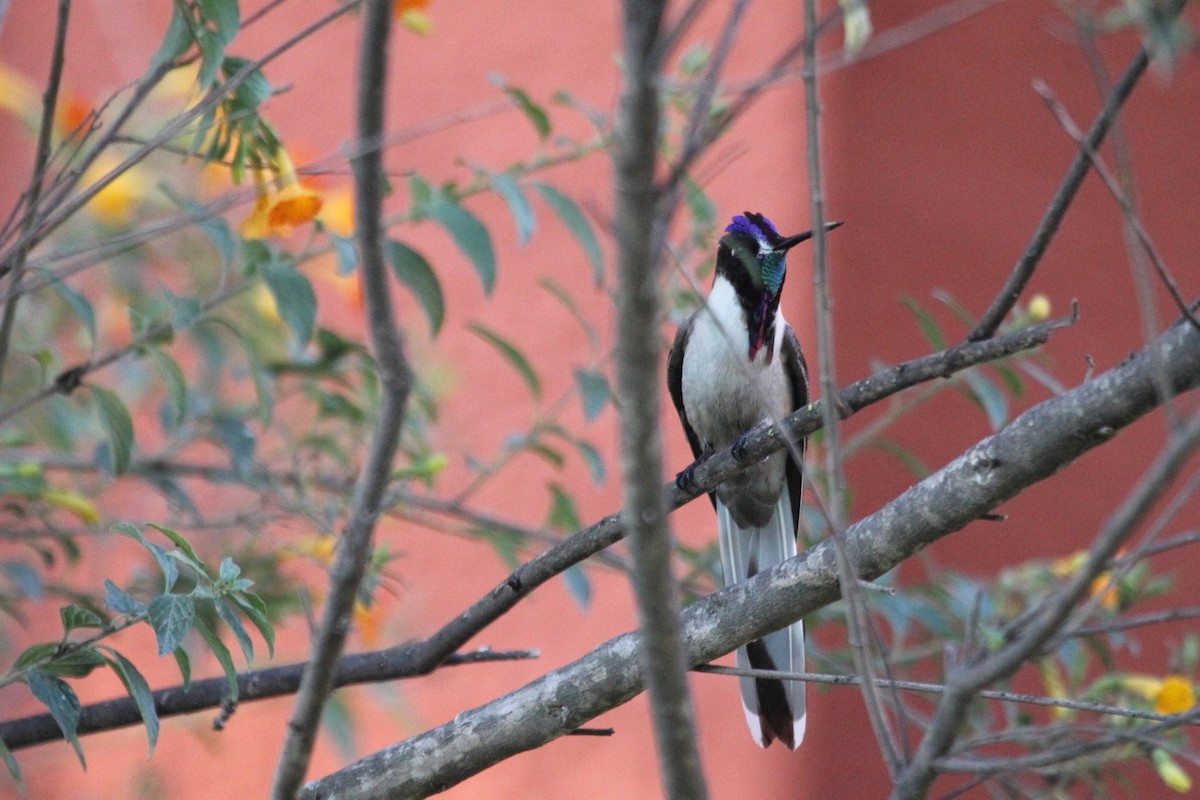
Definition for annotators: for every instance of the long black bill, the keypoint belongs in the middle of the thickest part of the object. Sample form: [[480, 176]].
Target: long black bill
[[792, 241]]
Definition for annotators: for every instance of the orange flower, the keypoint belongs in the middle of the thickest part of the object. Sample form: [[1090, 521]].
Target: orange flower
[[367, 619], [295, 204]]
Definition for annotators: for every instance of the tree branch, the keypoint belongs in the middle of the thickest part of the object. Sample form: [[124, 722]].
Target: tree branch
[[1034, 446], [1059, 204], [641, 230], [259, 684], [395, 379]]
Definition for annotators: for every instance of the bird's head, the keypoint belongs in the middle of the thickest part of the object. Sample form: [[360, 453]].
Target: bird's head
[[752, 257]]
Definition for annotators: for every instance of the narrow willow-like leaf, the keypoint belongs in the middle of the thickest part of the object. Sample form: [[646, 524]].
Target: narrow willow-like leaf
[[518, 205], [78, 304], [14, 769], [222, 653], [470, 235], [414, 272], [138, 691], [176, 385], [567, 211], [511, 354], [594, 391], [57, 695], [117, 424], [256, 611], [928, 325], [230, 618], [294, 299]]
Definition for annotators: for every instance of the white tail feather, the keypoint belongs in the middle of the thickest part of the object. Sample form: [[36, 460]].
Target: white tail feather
[[744, 553]]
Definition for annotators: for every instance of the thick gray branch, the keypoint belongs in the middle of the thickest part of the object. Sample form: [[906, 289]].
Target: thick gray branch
[[1034, 446]]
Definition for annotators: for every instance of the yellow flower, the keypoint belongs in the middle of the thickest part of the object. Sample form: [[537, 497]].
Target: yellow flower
[[411, 14], [19, 95], [318, 548], [115, 203], [337, 213], [1101, 586], [1171, 773], [1039, 308], [1174, 696], [256, 226]]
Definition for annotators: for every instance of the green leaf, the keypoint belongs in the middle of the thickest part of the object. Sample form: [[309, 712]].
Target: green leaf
[[176, 385], [988, 397], [14, 768], [593, 390], [253, 91], [258, 371], [222, 653], [560, 293], [78, 304], [117, 424], [239, 442], [903, 455], [171, 616], [177, 39], [469, 234], [570, 215], [512, 355], [184, 310], [138, 691], [256, 611], [75, 663], [169, 569], [294, 298], [518, 205], [119, 601], [533, 112], [591, 457], [185, 666], [345, 252], [230, 618], [929, 327], [414, 272], [563, 515], [224, 15], [62, 702], [578, 585], [74, 616], [187, 552]]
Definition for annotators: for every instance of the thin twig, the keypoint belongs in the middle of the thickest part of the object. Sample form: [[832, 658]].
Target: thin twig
[[937, 688], [1023, 271], [856, 616], [41, 159], [253, 684]]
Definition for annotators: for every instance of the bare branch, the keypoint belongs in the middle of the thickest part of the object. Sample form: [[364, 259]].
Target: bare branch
[[1061, 201], [641, 231], [395, 380], [260, 684], [1028, 634]]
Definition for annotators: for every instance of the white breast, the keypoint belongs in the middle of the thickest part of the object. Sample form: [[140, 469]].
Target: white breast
[[724, 393]]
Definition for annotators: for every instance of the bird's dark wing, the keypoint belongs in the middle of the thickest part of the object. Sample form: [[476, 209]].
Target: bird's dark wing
[[797, 374], [675, 381], [675, 387]]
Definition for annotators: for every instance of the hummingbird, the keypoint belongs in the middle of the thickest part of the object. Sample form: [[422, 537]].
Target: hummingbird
[[735, 363]]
